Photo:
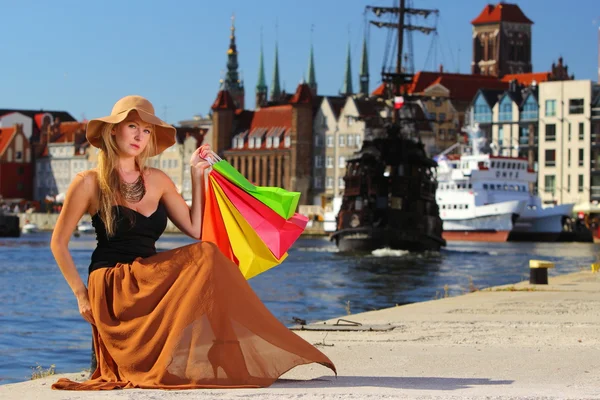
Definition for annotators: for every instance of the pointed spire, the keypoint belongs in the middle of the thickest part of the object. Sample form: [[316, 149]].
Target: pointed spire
[[275, 88], [261, 86], [232, 80], [347, 87], [364, 69], [312, 79]]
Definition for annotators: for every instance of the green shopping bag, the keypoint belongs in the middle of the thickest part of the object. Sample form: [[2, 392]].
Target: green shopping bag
[[279, 200]]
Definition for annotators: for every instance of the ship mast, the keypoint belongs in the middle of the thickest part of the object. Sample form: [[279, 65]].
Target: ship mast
[[396, 79]]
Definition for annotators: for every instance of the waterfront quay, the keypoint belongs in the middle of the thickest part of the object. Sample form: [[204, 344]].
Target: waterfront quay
[[517, 341]]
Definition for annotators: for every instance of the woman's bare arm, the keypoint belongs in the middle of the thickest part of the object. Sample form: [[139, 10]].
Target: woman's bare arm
[[187, 219], [77, 202]]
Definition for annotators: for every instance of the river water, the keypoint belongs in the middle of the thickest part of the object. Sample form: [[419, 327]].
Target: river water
[[40, 323]]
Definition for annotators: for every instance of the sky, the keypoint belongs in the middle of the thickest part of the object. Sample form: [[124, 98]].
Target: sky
[[82, 56]]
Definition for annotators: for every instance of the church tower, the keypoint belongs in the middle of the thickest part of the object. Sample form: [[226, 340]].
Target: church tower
[[501, 41], [233, 83]]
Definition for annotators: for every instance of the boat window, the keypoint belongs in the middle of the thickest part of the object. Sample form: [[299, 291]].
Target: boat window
[[493, 164], [454, 207], [503, 164], [505, 187], [466, 206], [470, 186], [498, 186], [485, 186]]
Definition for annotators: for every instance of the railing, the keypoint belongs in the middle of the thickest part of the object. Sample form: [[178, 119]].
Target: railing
[[310, 210], [483, 117], [595, 192], [505, 116], [529, 115]]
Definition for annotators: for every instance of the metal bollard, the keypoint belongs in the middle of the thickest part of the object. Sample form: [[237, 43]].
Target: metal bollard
[[538, 271]]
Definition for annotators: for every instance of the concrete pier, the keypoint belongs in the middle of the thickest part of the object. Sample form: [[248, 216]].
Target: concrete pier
[[517, 341]]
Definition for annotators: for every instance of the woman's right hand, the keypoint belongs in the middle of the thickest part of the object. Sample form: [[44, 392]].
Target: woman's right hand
[[85, 308]]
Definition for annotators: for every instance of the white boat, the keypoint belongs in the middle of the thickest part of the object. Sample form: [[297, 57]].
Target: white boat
[[30, 228], [483, 197], [475, 204], [85, 227]]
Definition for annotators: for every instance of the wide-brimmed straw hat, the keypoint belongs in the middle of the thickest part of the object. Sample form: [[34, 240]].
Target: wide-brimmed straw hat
[[165, 133]]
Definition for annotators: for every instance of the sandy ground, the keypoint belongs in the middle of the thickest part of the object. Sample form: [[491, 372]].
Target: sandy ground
[[511, 342]]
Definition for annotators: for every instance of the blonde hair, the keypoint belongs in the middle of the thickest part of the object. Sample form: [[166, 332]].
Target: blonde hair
[[109, 180]]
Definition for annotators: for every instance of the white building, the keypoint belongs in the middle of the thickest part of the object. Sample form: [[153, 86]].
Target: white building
[[569, 141]]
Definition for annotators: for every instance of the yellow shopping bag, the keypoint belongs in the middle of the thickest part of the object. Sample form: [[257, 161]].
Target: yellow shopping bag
[[252, 253]]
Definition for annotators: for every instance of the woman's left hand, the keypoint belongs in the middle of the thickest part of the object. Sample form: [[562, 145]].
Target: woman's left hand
[[197, 162]]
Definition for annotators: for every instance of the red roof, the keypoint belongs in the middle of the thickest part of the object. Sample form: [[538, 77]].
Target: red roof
[[224, 101], [6, 135], [303, 95], [68, 132], [528, 78], [461, 86], [272, 117], [39, 119], [501, 12]]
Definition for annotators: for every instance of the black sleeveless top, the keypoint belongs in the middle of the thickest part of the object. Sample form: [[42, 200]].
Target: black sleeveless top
[[134, 237]]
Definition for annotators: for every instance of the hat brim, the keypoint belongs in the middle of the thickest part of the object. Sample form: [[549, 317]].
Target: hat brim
[[165, 133]]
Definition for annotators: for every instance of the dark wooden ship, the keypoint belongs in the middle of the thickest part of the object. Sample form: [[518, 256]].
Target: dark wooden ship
[[390, 184]]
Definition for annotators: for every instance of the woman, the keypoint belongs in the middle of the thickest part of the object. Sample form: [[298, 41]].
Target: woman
[[184, 318]]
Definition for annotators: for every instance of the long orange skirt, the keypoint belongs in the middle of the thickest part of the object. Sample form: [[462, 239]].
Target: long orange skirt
[[182, 319]]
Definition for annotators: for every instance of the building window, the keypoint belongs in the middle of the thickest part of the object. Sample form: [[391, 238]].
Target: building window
[[269, 142], [581, 157], [329, 140], [549, 183], [580, 183], [258, 142], [550, 133], [20, 171], [350, 140], [550, 158], [341, 183], [505, 109], [433, 116], [576, 106], [329, 182], [523, 136], [342, 140], [442, 117], [251, 143], [530, 109], [276, 141], [342, 162], [329, 162], [568, 158], [287, 141], [317, 140], [550, 108], [19, 155], [318, 162], [358, 140], [569, 132], [568, 183], [581, 132], [317, 182]]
